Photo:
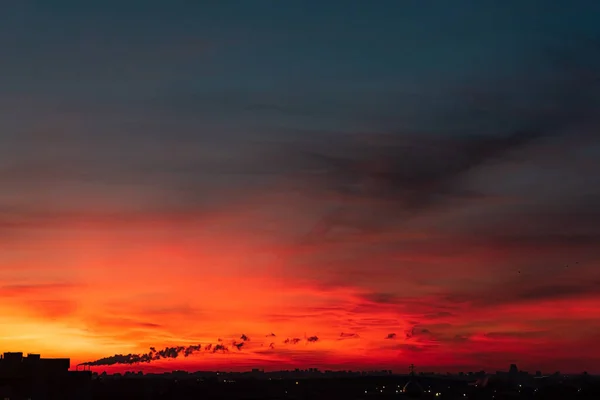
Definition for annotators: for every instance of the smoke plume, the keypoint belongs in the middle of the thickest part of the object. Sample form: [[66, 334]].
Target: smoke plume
[[186, 351], [152, 355], [166, 353], [238, 345], [348, 336], [220, 348]]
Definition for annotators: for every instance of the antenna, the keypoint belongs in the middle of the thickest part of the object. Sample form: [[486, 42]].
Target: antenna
[[411, 368]]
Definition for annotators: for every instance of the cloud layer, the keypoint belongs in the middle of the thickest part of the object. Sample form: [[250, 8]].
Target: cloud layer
[[299, 190]]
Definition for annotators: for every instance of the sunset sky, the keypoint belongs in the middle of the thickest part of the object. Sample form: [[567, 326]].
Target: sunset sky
[[408, 183]]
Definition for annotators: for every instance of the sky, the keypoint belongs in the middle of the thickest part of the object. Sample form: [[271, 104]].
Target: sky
[[404, 183]]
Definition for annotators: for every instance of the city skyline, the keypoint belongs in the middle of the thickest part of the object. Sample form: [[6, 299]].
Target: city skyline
[[349, 185], [32, 376], [129, 366]]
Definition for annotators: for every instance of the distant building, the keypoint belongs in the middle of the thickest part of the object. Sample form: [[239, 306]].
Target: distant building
[[32, 376], [16, 365]]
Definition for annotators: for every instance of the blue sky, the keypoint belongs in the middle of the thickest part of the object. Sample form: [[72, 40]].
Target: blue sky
[[234, 79]]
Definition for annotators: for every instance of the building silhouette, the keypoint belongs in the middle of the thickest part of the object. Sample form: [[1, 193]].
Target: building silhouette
[[34, 377], [16, 365]]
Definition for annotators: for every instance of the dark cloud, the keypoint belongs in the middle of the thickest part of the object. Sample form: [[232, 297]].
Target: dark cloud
[[292, 341], [270, 335], [459, 339], [413, 172], [558, 291], [412, 348], [245, 338], [531, 280], [534, 288], [516, 335], [348, 336], [437, 315], [380, 298], [391, 336], [312, 339], [413, 305], [423, 335]]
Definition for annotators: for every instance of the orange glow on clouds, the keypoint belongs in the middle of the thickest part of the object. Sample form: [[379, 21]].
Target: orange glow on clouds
[[92, 288]]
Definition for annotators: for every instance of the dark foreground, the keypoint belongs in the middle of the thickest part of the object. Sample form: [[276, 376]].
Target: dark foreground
[[85, 386]]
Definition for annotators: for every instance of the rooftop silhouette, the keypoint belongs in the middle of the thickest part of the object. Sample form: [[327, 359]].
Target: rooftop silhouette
[[32, 377]]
